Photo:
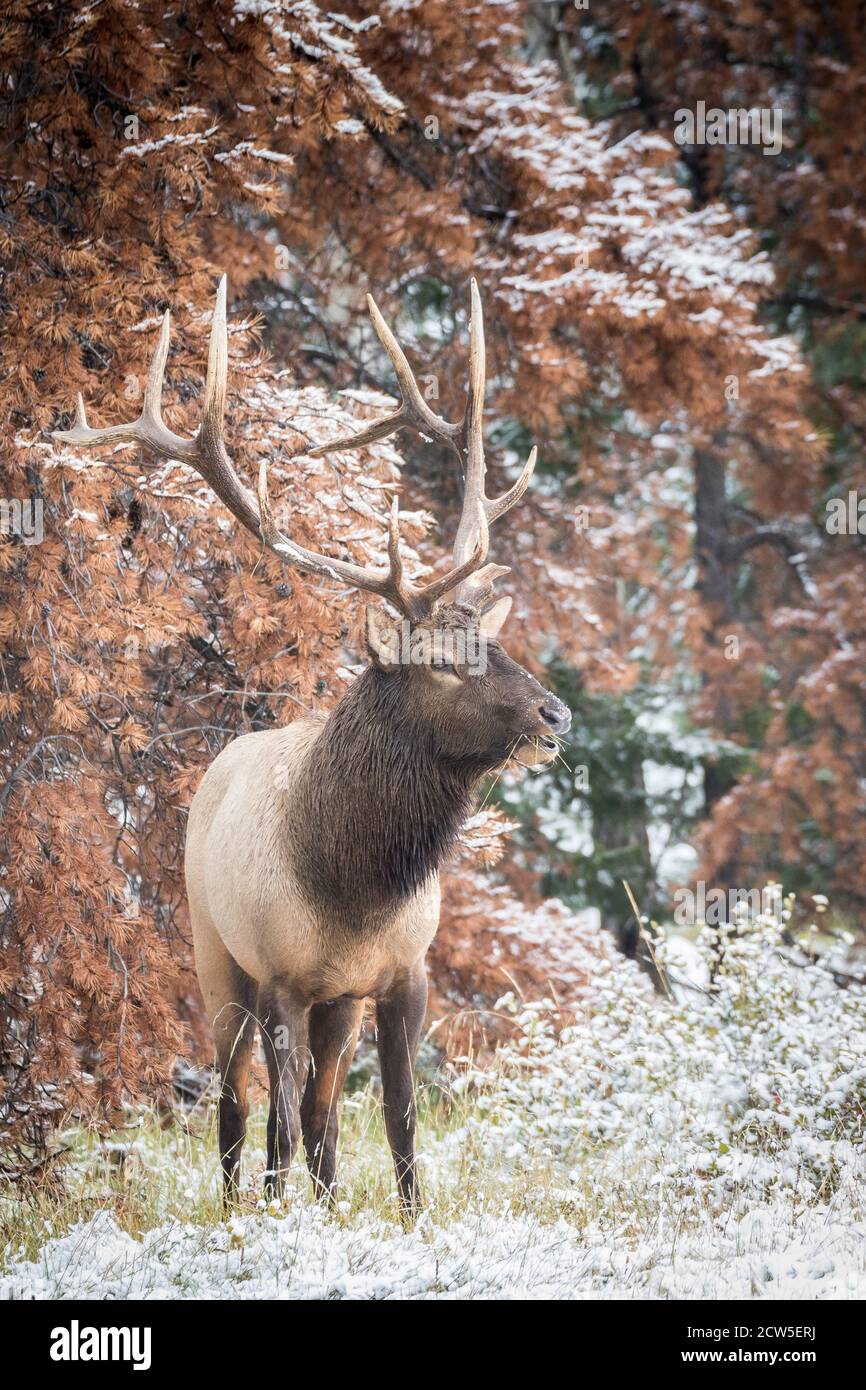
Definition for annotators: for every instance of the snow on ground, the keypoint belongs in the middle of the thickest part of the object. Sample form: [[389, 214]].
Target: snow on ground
[[706, 1145], [763, 1254]]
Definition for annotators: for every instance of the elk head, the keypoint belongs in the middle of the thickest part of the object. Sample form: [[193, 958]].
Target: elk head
[[474, 701]]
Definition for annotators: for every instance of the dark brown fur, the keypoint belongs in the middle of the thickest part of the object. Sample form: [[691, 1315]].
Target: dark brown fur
[[393, 778]]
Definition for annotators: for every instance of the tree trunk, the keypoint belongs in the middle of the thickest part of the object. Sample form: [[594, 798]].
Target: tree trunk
[[714, 586]]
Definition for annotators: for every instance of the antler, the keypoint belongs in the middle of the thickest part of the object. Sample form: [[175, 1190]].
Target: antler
[[206, 452], [466, 438]]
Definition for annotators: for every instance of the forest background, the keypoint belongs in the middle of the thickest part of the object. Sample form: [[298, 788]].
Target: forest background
[[679, 327]]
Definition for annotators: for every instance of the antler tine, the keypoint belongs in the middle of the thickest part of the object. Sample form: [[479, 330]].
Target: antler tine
[[212, 459], [217, 370], [467, 438], [459, 573], [476, 588], [498, 506], [206, 452], [413, 409], [473, 479], [395, 564], [149, 429]]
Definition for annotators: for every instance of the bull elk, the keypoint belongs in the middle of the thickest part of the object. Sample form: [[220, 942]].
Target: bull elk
[[313, 850]]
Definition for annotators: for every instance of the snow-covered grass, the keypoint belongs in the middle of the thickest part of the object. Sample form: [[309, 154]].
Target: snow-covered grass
[[708, 1145]]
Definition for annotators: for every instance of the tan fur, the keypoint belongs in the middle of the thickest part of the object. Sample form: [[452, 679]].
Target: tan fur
[[244, 900]]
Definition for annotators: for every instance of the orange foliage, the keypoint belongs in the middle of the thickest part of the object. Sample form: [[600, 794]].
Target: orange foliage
[[314, 155]]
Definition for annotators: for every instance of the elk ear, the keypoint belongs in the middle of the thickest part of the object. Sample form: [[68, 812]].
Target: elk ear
[[492, 621], [383, 639]]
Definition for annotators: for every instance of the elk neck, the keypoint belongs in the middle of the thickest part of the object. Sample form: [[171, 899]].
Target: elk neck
[[378, 805]]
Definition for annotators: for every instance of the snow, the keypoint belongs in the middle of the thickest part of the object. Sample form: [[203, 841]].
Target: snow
[[330, 45], [707, 1145], [147, 147], [304, 1254], [246, 147], [625, 236]]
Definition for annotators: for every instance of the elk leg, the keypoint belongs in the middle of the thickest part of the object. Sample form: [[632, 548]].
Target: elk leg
[[284, 1034], [230, 995], [399, 1019], [334, 1032]]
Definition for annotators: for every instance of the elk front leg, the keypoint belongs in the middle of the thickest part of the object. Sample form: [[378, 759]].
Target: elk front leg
[[284, 1033], [334, 1032], [399, 1020], [230, 999], [235, 1032]]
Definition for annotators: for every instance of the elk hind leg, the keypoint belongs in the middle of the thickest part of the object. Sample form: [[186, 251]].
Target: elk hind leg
[[284, 1034], [334, 1029]]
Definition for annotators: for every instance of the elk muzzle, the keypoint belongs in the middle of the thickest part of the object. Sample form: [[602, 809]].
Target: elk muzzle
[[540, 747]]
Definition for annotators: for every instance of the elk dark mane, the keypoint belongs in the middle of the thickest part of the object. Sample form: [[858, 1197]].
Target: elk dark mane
[[380, 806]]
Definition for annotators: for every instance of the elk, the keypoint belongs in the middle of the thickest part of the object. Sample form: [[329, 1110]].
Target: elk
[[312, 850]]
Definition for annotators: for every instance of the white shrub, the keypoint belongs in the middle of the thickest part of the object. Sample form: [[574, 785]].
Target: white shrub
[[753, 1083]]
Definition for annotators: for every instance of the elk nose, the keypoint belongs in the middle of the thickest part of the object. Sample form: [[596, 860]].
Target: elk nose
[[555, 715]]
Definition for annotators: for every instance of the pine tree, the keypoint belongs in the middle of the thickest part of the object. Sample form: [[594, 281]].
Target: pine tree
[[314, 155], [780, 569]]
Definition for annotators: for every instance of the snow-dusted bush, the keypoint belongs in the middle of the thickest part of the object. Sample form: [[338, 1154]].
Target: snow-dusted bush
[[748, 1084]]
